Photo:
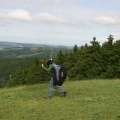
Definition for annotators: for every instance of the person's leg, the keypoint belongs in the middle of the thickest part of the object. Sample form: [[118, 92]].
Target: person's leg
[[51, 84], [50, 87], [59, 90]]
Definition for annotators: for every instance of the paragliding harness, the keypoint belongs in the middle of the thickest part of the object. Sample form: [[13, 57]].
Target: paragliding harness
[[59, 74]]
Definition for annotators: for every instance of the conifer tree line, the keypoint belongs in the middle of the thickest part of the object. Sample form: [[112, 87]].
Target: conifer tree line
[[92, 61]]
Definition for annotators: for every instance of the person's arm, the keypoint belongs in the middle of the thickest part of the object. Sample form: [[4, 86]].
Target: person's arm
[[47, 69]]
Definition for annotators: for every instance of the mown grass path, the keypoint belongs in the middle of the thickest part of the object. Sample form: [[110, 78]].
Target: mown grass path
[[85, 100]]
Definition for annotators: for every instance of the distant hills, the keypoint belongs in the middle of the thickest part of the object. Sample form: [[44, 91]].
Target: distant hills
[[24, 50], [13, 45]]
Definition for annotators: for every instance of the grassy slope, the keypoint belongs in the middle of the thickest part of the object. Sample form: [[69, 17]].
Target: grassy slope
[[85, 100]]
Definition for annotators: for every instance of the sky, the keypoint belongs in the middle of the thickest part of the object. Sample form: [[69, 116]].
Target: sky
[[59, 22]]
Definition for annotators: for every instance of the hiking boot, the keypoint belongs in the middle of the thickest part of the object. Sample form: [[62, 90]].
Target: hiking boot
[[63, 94], [47, 97]]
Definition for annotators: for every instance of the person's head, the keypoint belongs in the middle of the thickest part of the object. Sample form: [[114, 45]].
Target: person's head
[[49, 61]]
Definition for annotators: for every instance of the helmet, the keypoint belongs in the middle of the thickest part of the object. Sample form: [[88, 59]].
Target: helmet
[[49, 61]]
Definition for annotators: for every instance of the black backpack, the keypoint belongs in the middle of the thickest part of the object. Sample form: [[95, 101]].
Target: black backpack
[[59, 74]]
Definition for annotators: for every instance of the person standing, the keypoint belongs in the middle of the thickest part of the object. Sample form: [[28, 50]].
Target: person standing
[[51, 84]]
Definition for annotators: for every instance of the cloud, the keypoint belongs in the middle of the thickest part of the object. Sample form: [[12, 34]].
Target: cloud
[[46, 17], [66, 21], [18, 14], [101, 39], [105, 20], [63, 19], [62, 31], [115, 34], [2, 10]]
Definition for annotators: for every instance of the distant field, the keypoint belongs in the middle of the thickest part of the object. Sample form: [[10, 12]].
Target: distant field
[[23, 52], [7, 49], [85, 100], [30, 55]]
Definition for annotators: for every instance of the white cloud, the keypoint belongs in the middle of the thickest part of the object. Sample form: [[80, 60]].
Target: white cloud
[[101, 39], [115, 34], [20, 14], [105, 20], [46, 17]]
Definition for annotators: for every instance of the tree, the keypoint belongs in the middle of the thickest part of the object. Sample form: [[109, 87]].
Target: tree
[[59, 59], [30, 75], [75, 48], [110, 40], [95, 45]]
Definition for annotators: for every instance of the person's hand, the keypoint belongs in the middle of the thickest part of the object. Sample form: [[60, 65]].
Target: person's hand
[[42, 66]]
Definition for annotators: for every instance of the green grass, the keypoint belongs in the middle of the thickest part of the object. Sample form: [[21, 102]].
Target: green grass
[[85, 100]]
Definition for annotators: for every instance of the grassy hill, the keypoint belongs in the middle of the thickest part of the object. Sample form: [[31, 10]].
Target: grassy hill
[[85, 100]]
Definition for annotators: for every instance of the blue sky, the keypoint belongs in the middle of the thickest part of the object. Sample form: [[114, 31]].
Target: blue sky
[[59, 22]]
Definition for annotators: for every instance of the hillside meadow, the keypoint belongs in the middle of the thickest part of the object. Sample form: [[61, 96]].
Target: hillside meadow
[[85, 100]]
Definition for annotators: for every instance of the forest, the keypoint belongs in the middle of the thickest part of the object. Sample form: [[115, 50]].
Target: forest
[[86, 62]]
